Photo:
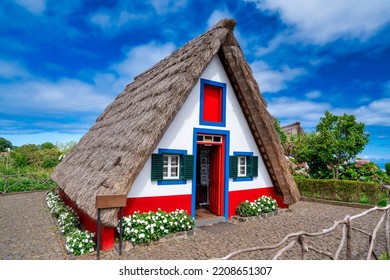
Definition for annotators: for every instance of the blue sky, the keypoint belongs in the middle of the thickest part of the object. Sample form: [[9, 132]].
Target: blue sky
[[63, 62]]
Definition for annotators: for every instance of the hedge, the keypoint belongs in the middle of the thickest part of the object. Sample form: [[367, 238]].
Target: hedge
[[342, 190]]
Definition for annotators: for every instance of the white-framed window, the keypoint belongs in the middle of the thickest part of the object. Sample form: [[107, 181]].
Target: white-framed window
[[171, 167], [241, 166]]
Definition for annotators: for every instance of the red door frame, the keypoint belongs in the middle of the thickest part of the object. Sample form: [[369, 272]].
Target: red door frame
[[219, 209]]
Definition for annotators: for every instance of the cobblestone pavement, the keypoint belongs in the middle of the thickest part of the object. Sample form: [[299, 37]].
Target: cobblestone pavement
[[27, 231]]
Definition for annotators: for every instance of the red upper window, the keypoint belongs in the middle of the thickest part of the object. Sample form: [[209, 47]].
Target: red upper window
[[212, 103]]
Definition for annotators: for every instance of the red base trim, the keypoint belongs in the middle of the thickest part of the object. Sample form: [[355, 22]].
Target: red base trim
[[236, 197], [153, 203], [106, 233]]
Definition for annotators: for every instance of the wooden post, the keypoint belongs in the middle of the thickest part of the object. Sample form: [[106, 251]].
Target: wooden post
[[105, 202], [349, 240], [120, 230], [304, 247], [98, 235], [387, 232]]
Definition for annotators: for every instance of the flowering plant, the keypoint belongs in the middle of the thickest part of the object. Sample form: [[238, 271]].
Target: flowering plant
[[68, 221], [79, 242], [148, 226], [263, 204]]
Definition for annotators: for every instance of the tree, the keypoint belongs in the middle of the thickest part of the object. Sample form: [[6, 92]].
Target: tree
[[340, 138], [46, 145], [66, 147], [337, 140], [282, 135], [5, 144], [23, 155]]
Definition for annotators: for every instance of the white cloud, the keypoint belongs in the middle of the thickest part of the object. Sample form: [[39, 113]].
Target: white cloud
[[375, 113], [33, 6], [271, 80], [313, 94], [292, 110], [323, 21], [120, 17], [65, 95], [168, 6], [10, 70], [273, 44], [112, 20], [142, 57], [218, 15], [72, 95]]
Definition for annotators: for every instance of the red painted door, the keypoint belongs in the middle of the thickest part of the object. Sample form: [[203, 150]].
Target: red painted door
[[216, 181]]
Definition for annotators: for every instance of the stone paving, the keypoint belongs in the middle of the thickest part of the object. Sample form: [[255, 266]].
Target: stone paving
[[27, 231]]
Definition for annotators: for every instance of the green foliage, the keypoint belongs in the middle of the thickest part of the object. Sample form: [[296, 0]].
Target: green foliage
[[25, 183], [387, 167], [337, 140], [282, 135], [5, 144], [45, 155], [149, 226], [342, 190], [46, 146], [383, 257], [263, 204]]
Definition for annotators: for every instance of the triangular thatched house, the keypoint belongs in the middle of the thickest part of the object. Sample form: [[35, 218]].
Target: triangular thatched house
[[191, 132]]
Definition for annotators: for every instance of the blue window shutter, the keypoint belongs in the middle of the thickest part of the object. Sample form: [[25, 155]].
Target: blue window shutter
[[157, 167]]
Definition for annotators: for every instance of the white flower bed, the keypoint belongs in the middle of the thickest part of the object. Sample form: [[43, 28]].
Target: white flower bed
[[77, 242], [151, 226]]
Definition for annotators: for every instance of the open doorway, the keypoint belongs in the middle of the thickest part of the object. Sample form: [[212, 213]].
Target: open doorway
[[209, 176]]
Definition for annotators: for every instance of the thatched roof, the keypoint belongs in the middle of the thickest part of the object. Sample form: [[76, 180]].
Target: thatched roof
[[111, 154]]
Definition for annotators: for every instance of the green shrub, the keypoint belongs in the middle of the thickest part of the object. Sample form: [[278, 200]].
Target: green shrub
[[342, 190], [21, 184], [263, 204], [387, 168]]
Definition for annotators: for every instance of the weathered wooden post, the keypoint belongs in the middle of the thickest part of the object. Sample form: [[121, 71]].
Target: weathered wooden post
[[304, 247], [105, 202], [349, 239], [387, 232]]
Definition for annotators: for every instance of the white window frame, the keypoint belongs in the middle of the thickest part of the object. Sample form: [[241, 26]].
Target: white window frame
[[169, 167], [239, 165]]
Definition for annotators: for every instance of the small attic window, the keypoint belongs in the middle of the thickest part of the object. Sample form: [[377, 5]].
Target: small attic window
[[212, 103]]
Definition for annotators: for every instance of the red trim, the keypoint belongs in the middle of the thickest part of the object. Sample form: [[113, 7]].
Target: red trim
[[106, 233], [153, 203], [236, 197]]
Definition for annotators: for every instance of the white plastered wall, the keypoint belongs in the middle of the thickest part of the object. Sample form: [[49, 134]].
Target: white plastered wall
[[180, 136]]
